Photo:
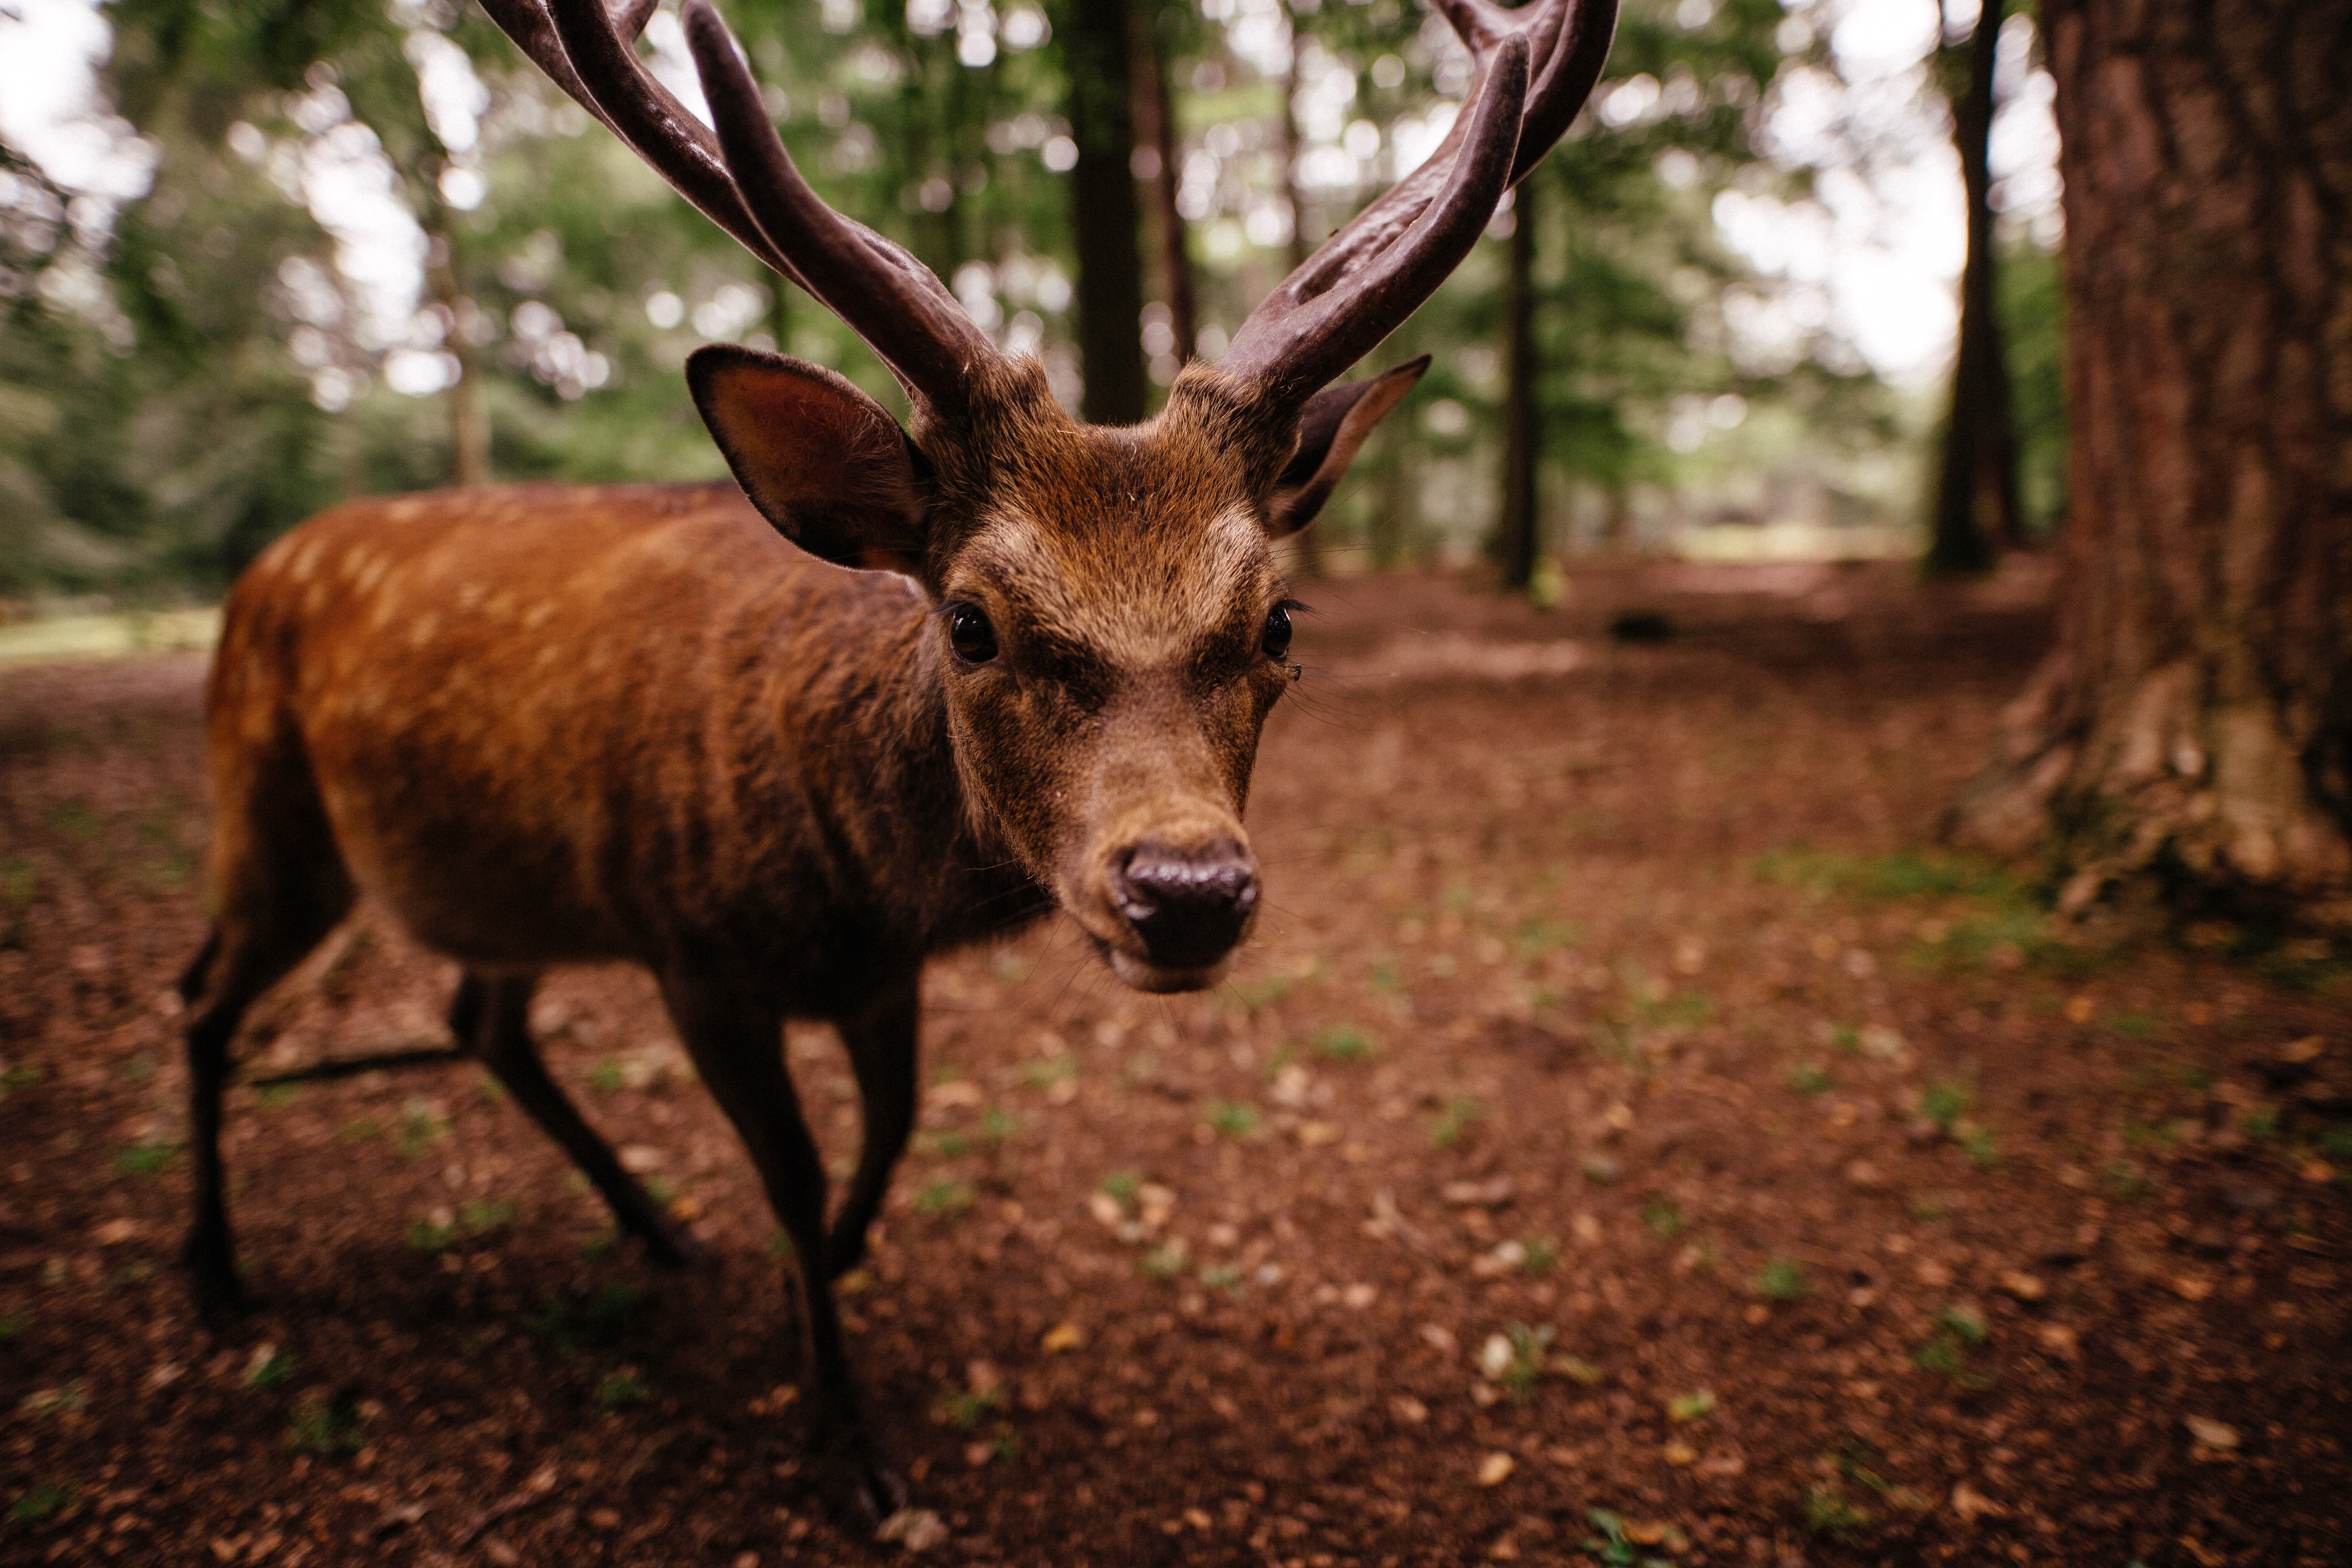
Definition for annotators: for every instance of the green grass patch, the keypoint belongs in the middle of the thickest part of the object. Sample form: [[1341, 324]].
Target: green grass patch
[[1453, 1124], [40, 1504], [419, 1129], [327, 1429], [622, 1387], [944, 1197], [1233, 1118], [1809, 1080], [607, 1077], [1343, 1043], [1827, 1511], [1782, 1279], [146, 1159], [1664, 1216], [1687, 1407], [17, 1077]]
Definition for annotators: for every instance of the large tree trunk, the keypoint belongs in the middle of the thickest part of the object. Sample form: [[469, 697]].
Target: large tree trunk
[[1976, 503], [2194, 724], [1104, 211], [1517, 539]]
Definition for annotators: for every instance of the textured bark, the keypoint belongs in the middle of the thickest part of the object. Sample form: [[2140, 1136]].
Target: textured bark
[[2194, 722], [1306, 548], [1516, 541], [1155, 115], [1977, 505], [1105, 212]]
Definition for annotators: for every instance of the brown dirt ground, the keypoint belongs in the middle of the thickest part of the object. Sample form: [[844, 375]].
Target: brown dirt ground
[[1613, 995]]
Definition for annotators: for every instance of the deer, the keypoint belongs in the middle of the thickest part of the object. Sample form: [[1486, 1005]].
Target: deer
[[779, 740]]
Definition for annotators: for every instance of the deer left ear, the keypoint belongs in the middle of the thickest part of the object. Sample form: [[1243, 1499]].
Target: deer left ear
[[1330, 432], [823, 461]]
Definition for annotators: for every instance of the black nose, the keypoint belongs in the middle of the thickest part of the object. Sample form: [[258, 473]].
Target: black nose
[[1188, 905]]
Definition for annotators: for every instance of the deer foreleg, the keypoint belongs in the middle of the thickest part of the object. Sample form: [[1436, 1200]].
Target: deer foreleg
[[491, 1017], [882, 1053], [737, 1047]]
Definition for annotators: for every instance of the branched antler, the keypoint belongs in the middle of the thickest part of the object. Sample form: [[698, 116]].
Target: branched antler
[[1379, 268], [745, 181]]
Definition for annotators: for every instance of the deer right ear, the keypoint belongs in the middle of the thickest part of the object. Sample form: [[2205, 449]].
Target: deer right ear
[[823, 461]]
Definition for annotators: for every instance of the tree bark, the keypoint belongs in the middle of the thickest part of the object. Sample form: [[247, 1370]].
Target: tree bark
[[1155, 112], [1976, 503], [1516, 535], [2193, 726], [1306, 548], [1105, 214]]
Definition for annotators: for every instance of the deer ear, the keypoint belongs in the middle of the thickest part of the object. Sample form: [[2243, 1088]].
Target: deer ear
[[1330, 431], [823, 461]]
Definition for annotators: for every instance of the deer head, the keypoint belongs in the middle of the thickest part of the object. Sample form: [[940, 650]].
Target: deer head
[[1109, 626]]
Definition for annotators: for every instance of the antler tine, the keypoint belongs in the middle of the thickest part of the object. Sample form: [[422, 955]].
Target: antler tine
[[884, 293], [1566, 43], [1300, 338], [922, 333], [630, 104]]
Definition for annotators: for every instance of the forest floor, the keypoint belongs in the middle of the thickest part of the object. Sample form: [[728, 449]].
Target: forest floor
[[1628, 1139]]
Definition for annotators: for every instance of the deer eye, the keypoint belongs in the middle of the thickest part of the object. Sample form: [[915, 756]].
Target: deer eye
[[969, 633], [1277, 638]]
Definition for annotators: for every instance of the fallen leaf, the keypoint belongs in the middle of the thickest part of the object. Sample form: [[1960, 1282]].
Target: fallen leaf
[[641, 1157], [1105, 1209], [1315, 1134], [1496, 1468], [1198, 1517], [1438, 1337], [1409, 1409], [1504, 1550], [1495, 1193], [2212, 1434], [2318, 1171], [1621, 1117], [2307, 1050], [2191, 1286], [2058, 1340], [916, 1529], [1932, 1274], [978, 1454], [1864, 1175], [1644, 1532], [962, 1093], [115, 1232], [1971, 1504], [1723, 1466], [1356, 1298], [2079, 1009], [1061, 1337], [982, 1378], [1680, 1454], [2023, 1286]]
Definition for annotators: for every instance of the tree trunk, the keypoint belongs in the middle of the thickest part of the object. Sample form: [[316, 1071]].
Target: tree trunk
[[1104, 211], [1306, 558], [1517, 536], [2193, 726], [1155, 112], [469, 424], [1976, 503]]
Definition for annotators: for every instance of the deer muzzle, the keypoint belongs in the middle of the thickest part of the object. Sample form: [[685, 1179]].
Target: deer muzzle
[[1189, 907]]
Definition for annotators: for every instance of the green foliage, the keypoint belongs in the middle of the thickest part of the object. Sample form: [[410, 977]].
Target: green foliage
[[1453, 1124], [1610, 1546], [944, 1197], [1684, 1407], [621, 1388], [273, 1370], [37, 1504], [327, 1429], [1782, 1279], [1233, 1119], [1343, 1043], [146, 1159]]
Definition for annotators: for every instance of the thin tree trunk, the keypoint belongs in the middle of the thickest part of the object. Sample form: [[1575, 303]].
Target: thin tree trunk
[[2193, 726], [1155, 113], [469, 425], [1516, 537], [1306, 560], [1104, 211], [1976, 503]]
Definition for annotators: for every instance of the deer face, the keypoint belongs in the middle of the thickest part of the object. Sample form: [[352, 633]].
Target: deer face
[[1110, 625]]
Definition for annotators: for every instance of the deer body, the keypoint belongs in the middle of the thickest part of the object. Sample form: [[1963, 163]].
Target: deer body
[[549, 724], [562, 724]]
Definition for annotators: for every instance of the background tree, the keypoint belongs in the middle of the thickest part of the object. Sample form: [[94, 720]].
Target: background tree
[[2192, 729], [1977, 509], [1098, 54]]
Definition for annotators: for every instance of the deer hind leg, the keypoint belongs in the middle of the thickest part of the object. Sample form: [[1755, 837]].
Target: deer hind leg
[[490, 1015], [882, 1045], [283, 888], [737, 1047]]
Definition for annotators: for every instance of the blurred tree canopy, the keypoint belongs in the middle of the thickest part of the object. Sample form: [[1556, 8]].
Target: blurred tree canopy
[[379, 252]]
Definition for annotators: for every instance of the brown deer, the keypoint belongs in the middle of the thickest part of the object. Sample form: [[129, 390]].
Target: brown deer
[[546, 724]]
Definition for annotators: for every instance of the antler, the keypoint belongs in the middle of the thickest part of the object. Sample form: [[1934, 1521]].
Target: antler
[[1377, 270], [744, 180]]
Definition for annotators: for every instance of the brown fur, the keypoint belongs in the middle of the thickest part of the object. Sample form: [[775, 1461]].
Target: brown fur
[[546, 724]]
